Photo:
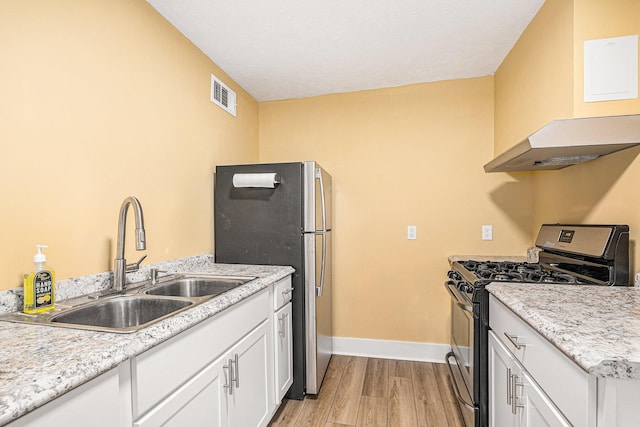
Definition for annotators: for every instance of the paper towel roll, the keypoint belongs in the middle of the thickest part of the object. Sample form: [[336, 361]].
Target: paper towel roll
[[260, 180]]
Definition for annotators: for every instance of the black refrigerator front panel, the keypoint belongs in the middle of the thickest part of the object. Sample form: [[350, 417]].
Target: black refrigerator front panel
[[264, 226]]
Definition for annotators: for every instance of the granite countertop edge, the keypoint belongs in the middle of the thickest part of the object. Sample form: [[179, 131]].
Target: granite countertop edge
[[40, 363], [597, 327]]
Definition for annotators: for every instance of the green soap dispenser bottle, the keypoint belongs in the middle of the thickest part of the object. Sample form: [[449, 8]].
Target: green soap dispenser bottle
[[39, 286]]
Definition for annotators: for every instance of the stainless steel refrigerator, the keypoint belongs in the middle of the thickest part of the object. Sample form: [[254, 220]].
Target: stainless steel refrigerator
[[280, 214]]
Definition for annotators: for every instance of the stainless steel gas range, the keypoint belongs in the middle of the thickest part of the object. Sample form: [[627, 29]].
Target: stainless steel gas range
[[569, 255]]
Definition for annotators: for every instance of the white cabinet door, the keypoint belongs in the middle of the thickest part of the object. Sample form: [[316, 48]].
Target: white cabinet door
[[502, 368], [538, 410], [283, 352], [515, 399], [249, 394], [199, 402]]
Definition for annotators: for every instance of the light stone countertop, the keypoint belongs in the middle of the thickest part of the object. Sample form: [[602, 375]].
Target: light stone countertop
[[598, 327], [40, 363]]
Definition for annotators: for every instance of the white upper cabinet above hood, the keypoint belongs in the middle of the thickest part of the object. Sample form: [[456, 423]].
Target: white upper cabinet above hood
[[563, 143]]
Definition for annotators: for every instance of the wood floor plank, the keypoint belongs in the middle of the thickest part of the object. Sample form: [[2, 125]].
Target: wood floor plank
[[372, 412], [402, 408], [288, 413], [445, 389], [315, 411], [347, 400], [400, 368], [376, 378], [421, 395], [430, 408]]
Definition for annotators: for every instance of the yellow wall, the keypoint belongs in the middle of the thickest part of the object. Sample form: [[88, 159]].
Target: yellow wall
[[534, 83], [598, 19], [601, 191], [101, 100], [402, 156]]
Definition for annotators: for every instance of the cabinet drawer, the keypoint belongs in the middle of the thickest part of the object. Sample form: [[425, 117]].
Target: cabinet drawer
[[282, 292], [159, 371], [568, 386]]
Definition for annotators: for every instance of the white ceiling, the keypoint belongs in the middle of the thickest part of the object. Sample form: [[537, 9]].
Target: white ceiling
[[280, 49]]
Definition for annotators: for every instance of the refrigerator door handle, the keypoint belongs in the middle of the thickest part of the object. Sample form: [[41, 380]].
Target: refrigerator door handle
[[324, 230], [322, 267], [322, 201]]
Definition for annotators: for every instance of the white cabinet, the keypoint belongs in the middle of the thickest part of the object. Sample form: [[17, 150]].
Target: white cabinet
[[283, 338], [199, 401], [231, 391], [502, 366], [231, 370], [546, 378], [217, 373], [538, 409], [249, 380], [514, 397], [283, 352]]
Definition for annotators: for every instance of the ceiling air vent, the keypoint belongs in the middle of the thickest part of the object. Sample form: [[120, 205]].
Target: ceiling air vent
[[221, 95]]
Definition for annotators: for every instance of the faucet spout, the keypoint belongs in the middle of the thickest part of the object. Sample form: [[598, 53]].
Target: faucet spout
[[120, 264]]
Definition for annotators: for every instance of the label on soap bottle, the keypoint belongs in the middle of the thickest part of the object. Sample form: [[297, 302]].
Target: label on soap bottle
[[43, 288]]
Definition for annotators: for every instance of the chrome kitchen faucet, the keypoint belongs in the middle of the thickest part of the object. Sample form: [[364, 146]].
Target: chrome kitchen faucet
[[120, 267]]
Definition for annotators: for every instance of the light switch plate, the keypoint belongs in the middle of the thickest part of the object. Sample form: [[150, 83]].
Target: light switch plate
[[411, 232]]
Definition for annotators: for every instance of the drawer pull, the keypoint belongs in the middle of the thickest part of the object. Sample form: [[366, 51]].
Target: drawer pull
[[514, 340], [287, 291]]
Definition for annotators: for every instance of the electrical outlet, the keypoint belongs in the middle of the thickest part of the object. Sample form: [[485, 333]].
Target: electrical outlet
[[487, 232], [411, 232]]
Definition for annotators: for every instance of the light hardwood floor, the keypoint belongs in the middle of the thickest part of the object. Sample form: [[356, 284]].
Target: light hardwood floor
[[360, 391]]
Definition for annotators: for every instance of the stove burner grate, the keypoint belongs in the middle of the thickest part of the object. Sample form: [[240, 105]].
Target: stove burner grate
[[516, 272]]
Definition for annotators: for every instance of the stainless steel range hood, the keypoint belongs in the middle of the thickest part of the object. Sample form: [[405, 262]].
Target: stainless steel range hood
[[563, 143]]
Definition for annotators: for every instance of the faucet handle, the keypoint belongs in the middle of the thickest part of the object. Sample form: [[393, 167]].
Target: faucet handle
[[154, 274], [130, 268]]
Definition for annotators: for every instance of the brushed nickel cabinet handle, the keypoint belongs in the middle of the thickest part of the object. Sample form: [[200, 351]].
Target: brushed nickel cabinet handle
[[509, 392], [514, 400], [228, 385], [514, 340], [281, 325], [237, 372]]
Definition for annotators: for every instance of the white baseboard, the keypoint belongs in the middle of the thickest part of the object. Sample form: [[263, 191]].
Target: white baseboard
[[384, 349]]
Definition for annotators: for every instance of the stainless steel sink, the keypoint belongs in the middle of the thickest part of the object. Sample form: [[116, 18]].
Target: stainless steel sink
[[136, 307], [123, 312], [197, 286]]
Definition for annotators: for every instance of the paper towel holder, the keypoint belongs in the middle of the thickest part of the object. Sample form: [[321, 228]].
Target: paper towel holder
[[256, 180]]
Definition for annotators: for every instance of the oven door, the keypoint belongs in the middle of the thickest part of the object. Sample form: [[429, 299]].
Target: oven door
[[461, 371]]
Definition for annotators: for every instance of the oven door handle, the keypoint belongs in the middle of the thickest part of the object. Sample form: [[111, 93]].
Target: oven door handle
[[449, 285], [455, 384]]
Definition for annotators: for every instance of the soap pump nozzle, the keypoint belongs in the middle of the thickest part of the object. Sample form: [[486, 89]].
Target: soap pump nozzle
[[40, 258]]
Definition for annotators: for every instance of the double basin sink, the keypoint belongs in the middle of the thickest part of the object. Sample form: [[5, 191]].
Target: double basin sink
[[135, 307]]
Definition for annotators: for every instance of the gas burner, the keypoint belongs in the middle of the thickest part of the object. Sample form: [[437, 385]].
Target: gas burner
[[507, 277], [524, 272]]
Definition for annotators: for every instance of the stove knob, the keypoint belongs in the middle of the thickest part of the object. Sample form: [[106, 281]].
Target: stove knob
[[454, 275]]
